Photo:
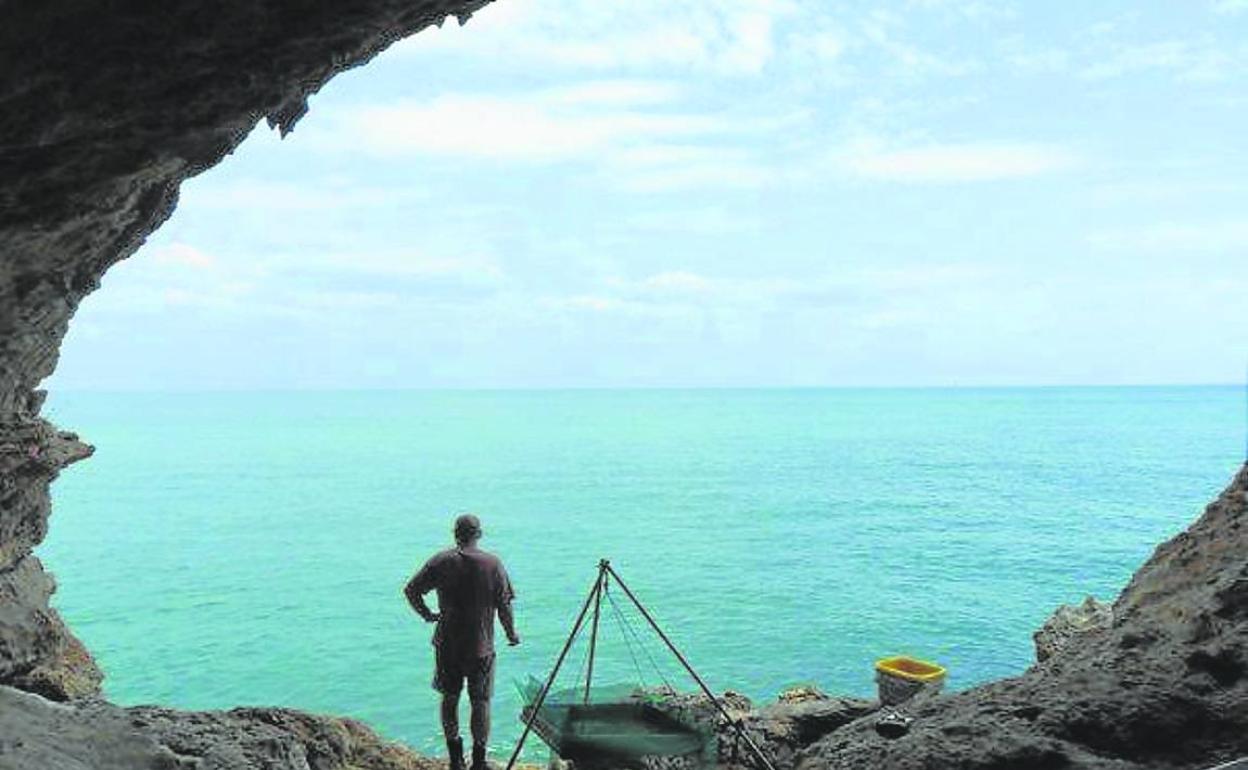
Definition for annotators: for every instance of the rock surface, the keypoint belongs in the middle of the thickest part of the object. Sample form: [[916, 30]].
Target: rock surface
[[37, 652], [785, 728], [36, 649], [37, 734]]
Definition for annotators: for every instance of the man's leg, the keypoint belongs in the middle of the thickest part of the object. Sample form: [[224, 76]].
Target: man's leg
[[448, 680], [480, 689], [450, 729], [450, 716], [480, 722]]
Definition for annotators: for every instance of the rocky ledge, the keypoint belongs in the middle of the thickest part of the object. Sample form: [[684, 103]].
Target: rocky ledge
[[91, 734]]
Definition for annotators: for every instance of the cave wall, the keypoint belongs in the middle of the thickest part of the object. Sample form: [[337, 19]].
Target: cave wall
[[105, 108]]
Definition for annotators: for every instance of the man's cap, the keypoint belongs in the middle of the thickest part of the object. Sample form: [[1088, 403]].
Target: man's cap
[[467, 526]]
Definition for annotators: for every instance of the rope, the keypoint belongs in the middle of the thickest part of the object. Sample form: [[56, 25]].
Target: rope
[[624, 627], [580, 672], [629, 628]]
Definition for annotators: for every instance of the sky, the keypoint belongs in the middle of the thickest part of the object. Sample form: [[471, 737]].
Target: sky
[[739, 193]]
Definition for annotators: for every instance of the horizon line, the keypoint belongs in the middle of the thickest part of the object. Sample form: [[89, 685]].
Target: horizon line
[[564, 388]]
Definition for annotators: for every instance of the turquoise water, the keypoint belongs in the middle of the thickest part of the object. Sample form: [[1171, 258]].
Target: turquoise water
[[249, 548]]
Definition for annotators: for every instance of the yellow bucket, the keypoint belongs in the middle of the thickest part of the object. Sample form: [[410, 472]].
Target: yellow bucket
[[901, 677]]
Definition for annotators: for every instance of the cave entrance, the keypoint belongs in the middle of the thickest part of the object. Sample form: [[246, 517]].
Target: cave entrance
[[649, 210]]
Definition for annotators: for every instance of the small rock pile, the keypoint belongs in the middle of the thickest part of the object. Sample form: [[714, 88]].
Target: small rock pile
[[1068, 622]]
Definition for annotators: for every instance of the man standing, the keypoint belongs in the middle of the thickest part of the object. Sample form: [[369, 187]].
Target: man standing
[[471, 586]]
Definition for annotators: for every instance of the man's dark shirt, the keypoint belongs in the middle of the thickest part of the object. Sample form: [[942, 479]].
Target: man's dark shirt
[[471, 584]]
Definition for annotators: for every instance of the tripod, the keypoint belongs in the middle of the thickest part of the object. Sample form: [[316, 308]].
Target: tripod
[[607, 573]]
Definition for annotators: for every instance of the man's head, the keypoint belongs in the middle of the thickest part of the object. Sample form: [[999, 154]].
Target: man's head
[[467, 529]]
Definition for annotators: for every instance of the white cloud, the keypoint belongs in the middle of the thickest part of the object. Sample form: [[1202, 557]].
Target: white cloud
[[617, 93], [471, 269], [1046, 60], [1230, 7], [656, 154], [1176, 238], [183, 255], [558, 124], [306, 286], [885, 29], [850, 287], [975, 10], [734, 37], [266, 195], [957, 163], [679, 281], [825, 45], [752, 48], [891, 318], [707, 220], [752, 308], [1160, 190], [681, 287], [728, 160], [343, 301], [1186, 60], [587, 302], [718, 169], [634, 131]]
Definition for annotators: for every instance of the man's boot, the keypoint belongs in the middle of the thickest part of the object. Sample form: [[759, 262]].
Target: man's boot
[[478, 757], [455, 753]]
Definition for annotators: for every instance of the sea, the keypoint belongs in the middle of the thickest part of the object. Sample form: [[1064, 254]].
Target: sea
[[250, 548]]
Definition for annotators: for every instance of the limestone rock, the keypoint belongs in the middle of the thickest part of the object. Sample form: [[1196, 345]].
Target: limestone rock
[[1067, 623], [788, 727], [802, 723], [69, 675], [37, 651], [37, 734], [36, 648], [273, 739], [32, 453], [801, 694]]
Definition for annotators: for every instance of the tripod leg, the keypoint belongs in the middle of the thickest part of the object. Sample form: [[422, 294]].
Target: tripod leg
[[593, 634], [550, 680]]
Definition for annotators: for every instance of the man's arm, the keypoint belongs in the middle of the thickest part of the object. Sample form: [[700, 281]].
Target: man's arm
[[509, 623], [502, 601], [420, 584]]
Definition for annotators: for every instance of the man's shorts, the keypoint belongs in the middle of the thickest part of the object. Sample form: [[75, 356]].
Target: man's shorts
[[451, 670]]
